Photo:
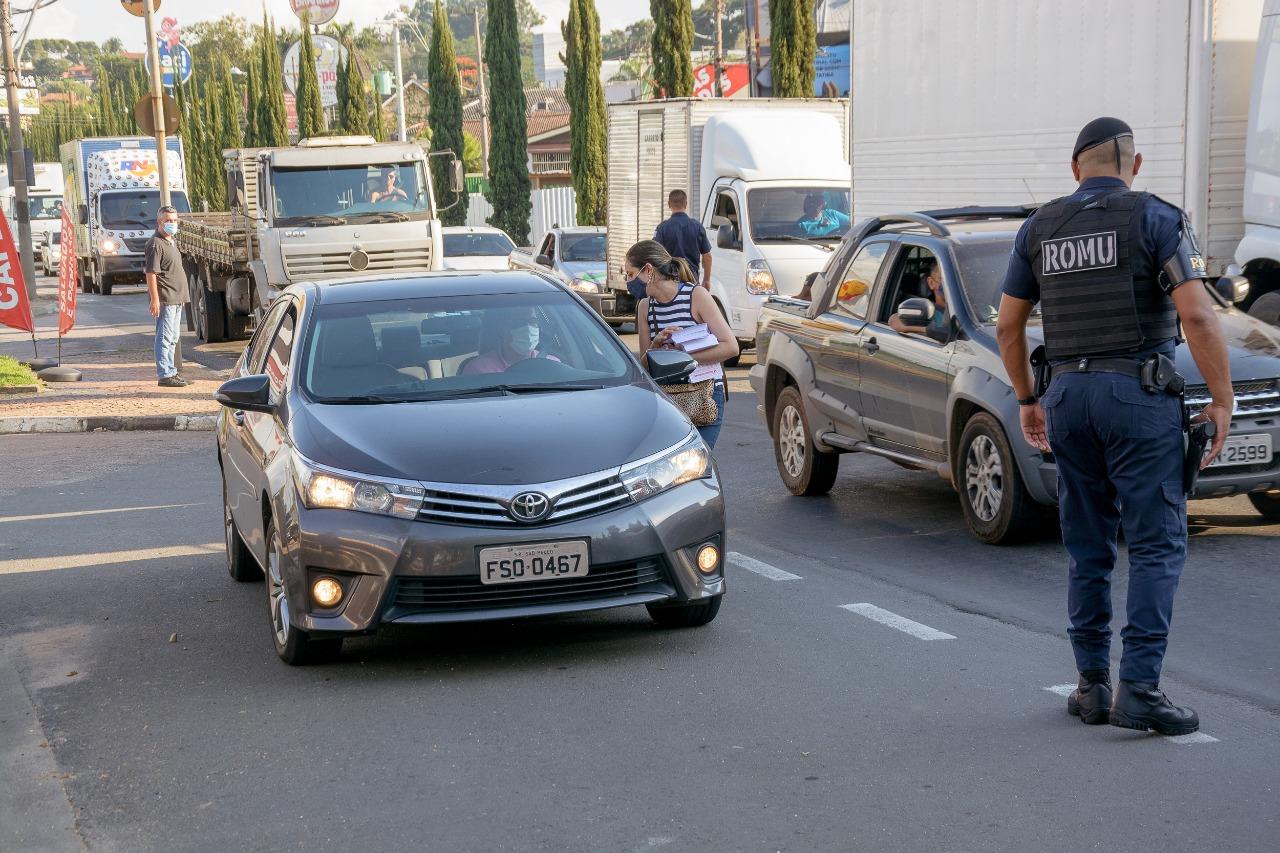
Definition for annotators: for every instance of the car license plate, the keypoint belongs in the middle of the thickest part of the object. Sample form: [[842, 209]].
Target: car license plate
[[1244, 450], [538, 561]]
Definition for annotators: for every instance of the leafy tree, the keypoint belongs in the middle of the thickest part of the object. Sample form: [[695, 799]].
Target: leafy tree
[[672, 47], [230, 36], [445, 116], [310, 110], [252, 135], [793, 47], [49, 67], [353, 95], [629, 42], [472, 154], [273, 129], [113, 45], [378, 121], [509, 184], [109, 122], [587, 156]]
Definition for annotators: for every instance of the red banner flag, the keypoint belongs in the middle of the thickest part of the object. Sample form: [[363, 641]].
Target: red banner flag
[[67, 274], [15, 310]]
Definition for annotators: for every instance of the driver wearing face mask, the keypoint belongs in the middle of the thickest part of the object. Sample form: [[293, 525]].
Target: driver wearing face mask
[[516, 342]]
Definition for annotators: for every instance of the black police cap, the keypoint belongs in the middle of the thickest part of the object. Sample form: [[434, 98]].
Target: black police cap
[[1098, 131]]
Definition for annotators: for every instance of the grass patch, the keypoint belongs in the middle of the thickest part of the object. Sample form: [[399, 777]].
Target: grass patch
[[13, 373]]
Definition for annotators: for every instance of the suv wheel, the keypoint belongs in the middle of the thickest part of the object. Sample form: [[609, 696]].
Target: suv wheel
[[995, 501], [295, 646], [1267, 308], [1267, 503], [685, 615], [804, 469]]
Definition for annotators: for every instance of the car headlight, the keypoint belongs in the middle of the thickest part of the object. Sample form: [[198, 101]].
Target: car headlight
[[582, 285], [686, 461], [321, 488], [108, 246], [759, 280]]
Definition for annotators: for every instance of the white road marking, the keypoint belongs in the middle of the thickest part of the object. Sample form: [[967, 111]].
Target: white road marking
[[1194, 737], [900, 623], [751, 564], [49, 516], [1061, 689], [106, 558]]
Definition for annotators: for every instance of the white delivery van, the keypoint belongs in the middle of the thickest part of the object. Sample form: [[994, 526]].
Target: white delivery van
[[44, 202], [1258, 254], [749, 167]]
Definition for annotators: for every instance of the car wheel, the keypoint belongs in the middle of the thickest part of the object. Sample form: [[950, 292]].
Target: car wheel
[[241, 565], [685, 615], [804, 468], [1267, 308], [995, 501], [1267, 503], [295, 646]]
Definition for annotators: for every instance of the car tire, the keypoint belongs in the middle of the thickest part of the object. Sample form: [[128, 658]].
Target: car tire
[[996, 505], [241, 564], [1267, 308], [1267, 503], [690, 615], [294, 646], [805, 470]]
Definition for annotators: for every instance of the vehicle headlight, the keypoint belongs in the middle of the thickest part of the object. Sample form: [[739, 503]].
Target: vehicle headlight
[[582, 285], [686, 461], [759, 280], [108, 246], [324, 489]]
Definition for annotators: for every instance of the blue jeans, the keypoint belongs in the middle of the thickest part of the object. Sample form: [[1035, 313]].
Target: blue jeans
[[1119, 453], [711, 432], [168, 327]]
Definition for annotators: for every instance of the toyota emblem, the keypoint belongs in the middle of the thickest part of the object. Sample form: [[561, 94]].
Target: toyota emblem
[[529, 507]]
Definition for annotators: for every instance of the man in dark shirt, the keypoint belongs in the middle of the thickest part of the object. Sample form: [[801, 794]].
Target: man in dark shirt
[[167, 292], [684, 237]]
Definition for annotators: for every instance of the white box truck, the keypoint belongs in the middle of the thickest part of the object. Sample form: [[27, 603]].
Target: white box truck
[[113, 188], [44, 202], [979, 101], [749, 168], [1258, 254]]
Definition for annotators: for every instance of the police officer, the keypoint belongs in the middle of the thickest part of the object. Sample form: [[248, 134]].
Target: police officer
[[1114, 271]]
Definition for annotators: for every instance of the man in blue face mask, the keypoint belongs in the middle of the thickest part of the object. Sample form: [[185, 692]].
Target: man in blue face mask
[[167, 291]]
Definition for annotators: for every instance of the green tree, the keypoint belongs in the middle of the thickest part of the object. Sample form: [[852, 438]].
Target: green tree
[[472, 154], [793, 47], [672, 47], [273, 121], [354, 97], [587, 155], [231, 37], [445, 116], [509, 185], [108, 123], [252, 136], [378, 121], [310, 110]]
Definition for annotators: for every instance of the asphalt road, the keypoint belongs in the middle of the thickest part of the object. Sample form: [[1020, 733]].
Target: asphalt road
[[790, 723]]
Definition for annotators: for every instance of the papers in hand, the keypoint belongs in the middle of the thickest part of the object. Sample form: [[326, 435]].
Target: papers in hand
[[694, 338], [705, 371]]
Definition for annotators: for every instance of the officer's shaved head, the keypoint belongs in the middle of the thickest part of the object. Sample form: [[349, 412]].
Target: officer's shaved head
[[1115, 158]]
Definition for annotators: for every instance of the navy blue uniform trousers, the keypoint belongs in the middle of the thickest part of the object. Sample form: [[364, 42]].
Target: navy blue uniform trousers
[[1119, 452]]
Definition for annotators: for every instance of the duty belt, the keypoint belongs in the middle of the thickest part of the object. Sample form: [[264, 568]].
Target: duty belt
[[1122, 366], [1155, 372]]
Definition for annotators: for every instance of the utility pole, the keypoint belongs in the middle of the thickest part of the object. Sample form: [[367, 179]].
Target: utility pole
[[719, 63], [17, 155], [157, 101], [484, 97], [395, 40]]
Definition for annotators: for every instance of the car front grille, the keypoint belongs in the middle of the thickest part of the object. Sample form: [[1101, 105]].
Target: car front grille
[[1254, 399], [303, 264], [456, 505], [460, 594]]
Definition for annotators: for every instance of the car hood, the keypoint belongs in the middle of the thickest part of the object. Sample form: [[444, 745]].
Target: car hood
[[476, 262], [514, 440], [589, 270]]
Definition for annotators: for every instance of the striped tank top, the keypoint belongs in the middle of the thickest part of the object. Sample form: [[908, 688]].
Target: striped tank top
[[678, 312]]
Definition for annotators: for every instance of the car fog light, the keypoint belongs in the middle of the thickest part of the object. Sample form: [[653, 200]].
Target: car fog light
[[327, 592], [708, 559]]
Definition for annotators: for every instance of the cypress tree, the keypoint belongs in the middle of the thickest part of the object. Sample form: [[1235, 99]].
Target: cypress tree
[[108, 115], [509, 184], [587, 157], [378, 122], [253, 95], [672, 46], [445, 116], [273, 120], [353, 104], [343, 96], [310, 111], [793, 48], [231, 108]]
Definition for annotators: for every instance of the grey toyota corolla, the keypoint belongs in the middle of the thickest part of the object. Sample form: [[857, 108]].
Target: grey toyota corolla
[[454, 447]]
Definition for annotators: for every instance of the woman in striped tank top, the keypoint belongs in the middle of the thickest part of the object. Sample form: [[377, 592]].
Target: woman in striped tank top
[[672, 302]]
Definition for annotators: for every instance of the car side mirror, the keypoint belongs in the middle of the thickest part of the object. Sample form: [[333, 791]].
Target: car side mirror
[[1233, 288], [246, 393], [543, 261], [83, 217], [725, 238], [916, 311], [669, 366]]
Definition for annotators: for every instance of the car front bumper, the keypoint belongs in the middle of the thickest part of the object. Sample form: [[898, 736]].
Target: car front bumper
[[401, 571]]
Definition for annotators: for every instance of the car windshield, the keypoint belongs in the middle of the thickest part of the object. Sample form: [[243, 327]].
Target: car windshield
[[435, 348], [982, 267], [798, 213], [587, 247], [476, 245], [45, 206], [337, 195], [136, 210]]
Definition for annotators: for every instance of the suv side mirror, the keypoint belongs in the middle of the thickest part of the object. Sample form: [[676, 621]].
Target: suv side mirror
[[726, 238], [246, 393], [669, 366], [916, 311], [83, 216], [1233, 288], [543, 261]]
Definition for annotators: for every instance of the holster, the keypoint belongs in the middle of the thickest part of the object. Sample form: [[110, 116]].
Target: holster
[[1040, 366], [1198, 438], [1160, 374]]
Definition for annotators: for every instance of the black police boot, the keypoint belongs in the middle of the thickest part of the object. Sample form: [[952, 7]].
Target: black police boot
[[1143, 706], [1091, 700]]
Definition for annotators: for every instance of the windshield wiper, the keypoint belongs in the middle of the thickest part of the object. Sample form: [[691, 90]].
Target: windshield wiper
[[318, 219], [383, 216], [546, 389], [790, 238], [358, 399]]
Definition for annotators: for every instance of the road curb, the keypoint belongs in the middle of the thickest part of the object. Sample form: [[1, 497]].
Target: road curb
[[108, 423]]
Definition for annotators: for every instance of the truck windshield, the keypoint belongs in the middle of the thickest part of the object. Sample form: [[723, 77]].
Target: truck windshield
[[587, 247], [45, 206], [336, 195], [804, 213], [477, 245], [135, 210], [982, 266]]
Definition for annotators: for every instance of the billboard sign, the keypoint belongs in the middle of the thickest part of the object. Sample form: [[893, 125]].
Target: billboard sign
[[321, 11], [328, 54]]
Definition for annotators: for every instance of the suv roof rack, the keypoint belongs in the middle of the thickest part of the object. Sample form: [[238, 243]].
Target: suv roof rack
[[977, 211]]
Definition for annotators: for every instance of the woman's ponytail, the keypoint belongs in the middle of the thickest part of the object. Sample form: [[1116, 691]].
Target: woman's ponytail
[[651, 252]]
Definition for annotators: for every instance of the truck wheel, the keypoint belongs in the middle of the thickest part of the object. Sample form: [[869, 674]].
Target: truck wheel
[[105, 284], [1267, 503], [211, 315], [992, 494], [805, 469], [1267, 308], [237, 325], [86, 281]]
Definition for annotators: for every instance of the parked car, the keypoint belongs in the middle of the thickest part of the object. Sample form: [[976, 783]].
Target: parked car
[[833, 377], [51, 252], [382, 467], [476, 247], [575, 256]]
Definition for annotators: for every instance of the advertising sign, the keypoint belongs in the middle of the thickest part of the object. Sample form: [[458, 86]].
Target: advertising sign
[[172, 58], [322, 11], [67, 274], [831, 71], [328, 54], [15, 310], [135, 7], [733, 80]]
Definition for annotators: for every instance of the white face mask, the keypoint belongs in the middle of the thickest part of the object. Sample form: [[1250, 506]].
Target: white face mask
[[524, 339]]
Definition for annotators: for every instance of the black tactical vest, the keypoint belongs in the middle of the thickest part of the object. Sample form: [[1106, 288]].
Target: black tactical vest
[[1098, 289]]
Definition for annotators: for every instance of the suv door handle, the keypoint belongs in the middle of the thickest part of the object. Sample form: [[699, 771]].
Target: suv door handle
[[871, 346]]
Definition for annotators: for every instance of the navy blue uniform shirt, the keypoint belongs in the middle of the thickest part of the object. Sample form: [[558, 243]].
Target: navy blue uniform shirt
[[684, 238], [1161, 231]]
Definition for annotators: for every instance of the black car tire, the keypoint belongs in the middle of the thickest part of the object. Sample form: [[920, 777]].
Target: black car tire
[[805, 470], [996, 505], [685, 615], [295, 646], [241, 564], [1267, 308], [1267, 503]]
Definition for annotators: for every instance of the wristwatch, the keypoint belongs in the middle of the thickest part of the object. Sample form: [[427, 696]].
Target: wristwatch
[[1028, 401]]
